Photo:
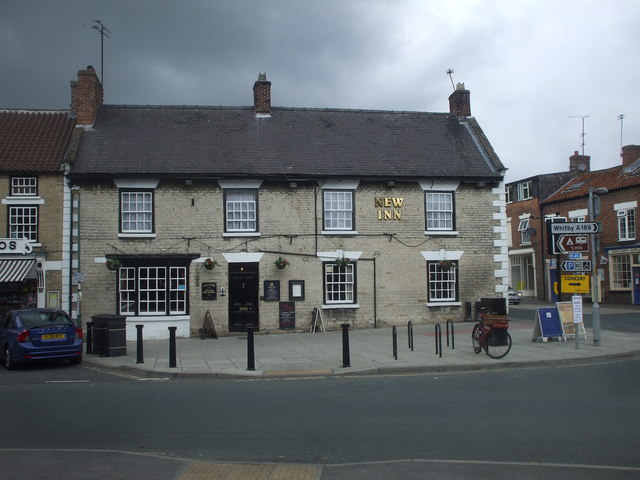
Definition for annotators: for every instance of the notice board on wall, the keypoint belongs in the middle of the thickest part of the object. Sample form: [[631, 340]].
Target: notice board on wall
[[547, 325]]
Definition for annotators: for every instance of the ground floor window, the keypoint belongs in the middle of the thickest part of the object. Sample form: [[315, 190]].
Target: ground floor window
[[152, 290], [339, 283], [442, 279], [522, 272], [620, 272]]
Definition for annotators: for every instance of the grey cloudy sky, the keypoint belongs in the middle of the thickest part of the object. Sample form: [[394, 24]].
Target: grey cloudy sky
[[532, 66]]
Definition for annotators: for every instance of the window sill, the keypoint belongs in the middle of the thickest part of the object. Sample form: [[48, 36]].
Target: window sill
[[444, 304], [334, 306], [137, 235], [340, 232], [26, 200], [452, 233], [240, 234]]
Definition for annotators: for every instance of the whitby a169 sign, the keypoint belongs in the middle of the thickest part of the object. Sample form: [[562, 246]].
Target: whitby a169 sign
[[575, 228]]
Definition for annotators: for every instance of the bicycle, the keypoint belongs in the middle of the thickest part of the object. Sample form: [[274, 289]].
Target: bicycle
[[491, 334]]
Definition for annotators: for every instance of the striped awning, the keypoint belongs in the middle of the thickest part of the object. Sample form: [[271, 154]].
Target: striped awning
[[15, 270]]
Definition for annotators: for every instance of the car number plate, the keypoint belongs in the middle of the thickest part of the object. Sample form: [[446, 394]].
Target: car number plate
[[53, 336]]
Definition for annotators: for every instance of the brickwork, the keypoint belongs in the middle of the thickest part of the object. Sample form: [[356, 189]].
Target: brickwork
[[86, 96], [391, 272]]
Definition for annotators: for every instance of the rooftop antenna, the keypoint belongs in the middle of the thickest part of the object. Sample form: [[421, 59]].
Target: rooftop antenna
[[450, 73], [583, 134], [621, 118], [104, 31]]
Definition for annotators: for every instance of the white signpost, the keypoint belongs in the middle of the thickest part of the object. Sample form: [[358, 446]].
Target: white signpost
[[574, 228]]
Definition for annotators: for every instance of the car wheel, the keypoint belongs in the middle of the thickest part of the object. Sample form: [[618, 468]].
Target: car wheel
[[8, 362], [76, 360]]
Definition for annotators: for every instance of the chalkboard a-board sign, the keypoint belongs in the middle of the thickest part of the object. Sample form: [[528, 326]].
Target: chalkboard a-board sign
[[209, 291], [547, 325], [287, 315], [271, 290]]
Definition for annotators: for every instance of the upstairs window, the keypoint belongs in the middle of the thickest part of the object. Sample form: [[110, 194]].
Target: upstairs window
[[509, 194], [241, 210], [136, 211], [439, 210], [338, 210], [523, 228], [626, 224], [24, 186], [23, 222], [524, 191]]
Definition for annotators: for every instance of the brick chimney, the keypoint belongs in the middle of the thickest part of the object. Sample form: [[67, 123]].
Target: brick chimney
[[579, 163], [460, 102], [630, 153], [262, 95], [86, 96]]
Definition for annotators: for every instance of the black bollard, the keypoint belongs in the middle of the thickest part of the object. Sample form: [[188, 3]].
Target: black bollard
[[251, 357], [89, 339], [172, 347], [438, 336], [140, 355], [346, 360], [394, 335], [410, 334]]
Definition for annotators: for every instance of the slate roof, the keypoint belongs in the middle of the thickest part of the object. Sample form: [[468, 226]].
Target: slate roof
[[34, 141], [615, 178], [210, 142]]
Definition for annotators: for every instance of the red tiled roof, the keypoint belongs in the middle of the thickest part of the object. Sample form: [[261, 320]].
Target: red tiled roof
[[32, 141], [615, 178]]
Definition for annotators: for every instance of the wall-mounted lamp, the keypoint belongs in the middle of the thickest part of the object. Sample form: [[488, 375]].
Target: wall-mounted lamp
[[222, 291], [391, 183], [293, 184]]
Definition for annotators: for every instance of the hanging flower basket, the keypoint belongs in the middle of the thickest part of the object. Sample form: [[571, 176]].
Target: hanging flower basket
[[113, 264], [281, 263], [446, 265], [209, 264], [342, 261]]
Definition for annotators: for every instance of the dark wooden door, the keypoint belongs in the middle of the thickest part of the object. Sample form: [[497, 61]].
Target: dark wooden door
[[243, 296]]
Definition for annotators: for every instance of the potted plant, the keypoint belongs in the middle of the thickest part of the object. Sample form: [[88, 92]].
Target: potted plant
[[113, 264], [280, 263], [342, 261], [209, 263], [446, 265]]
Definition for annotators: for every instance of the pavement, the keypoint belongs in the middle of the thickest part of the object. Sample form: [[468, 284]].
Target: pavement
[[371, 351]]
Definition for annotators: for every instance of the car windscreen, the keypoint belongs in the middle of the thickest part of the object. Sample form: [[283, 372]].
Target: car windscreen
[[39, 319]]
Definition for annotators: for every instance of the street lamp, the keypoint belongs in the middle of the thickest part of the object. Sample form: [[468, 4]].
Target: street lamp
[[594, 211]]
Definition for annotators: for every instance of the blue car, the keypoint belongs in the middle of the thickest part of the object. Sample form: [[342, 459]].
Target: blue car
[[38, 334]]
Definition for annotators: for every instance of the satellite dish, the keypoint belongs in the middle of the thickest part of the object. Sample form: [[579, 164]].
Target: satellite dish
[[582, 167]]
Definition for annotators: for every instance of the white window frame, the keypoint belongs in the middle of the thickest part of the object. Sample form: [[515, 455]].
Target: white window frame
[[508, 194], [241, 210], [620, 273], [23, 222], [177, 290], [626, 224], [24, 186], [442, 285], [439, 211], [339, 283], [338, 210], [127, 290], [153, 290], [523, 228], [524, 191], [136, 216]]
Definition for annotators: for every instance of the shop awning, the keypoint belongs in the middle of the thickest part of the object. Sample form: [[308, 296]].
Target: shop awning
[[15, 270]]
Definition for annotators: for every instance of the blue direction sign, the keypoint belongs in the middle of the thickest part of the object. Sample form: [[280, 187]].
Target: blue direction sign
[[576, 265], [574, 255]]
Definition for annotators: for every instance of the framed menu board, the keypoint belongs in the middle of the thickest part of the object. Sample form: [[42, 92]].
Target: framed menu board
[[287, 315]]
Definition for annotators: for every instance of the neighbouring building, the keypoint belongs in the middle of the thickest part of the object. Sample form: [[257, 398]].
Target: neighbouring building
[[259, 216], [616, 193], [528, 262], [36, 251]]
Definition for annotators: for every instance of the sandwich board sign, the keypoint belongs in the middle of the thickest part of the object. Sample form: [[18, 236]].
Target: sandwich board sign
[[547, 325], [569, 323]]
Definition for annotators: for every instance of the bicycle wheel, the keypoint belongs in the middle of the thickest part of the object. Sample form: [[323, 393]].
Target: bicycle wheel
[[475, 338], [497, 343]]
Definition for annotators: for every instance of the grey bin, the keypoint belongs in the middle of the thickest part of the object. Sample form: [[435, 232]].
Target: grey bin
[[109, 335]]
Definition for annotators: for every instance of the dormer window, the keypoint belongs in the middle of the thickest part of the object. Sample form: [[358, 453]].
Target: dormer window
[[24, 186]]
